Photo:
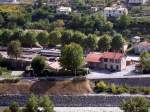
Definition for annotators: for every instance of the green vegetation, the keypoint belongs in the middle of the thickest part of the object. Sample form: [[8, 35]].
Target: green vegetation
[[32, 105], [14, 49], [72, 57], [5, 73], [117, 42], [145, 61], [104, 43], [137, 104], [38, 64], [120, 89]]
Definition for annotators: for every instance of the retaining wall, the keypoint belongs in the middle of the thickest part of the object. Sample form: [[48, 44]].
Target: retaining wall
[[71, 101], [134, 81]]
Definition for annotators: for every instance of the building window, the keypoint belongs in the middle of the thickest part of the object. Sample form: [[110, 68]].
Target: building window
[[117, 61], [105, 60], [111, 60]]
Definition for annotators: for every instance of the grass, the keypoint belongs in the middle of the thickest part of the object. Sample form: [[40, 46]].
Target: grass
[[5, 73], [44, 87]]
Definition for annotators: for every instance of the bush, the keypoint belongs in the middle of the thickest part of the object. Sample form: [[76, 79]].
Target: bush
[[113, 88], [121, 90], [134, 90], [101, 86], [7, 110], [146, 91]]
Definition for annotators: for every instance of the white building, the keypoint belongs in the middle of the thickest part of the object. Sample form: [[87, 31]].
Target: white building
[[115, 11], [9, 1], [107, 60], [136, 39], [136, 1], [63, 10]]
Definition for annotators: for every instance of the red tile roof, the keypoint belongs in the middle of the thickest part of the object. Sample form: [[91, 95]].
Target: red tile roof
[[96, 57], [93, 57], [112, 55], [55, 65]]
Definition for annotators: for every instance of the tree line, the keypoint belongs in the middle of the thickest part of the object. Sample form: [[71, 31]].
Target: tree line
[[89, 42]]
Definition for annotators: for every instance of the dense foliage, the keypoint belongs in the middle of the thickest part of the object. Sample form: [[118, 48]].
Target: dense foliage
[[120, 89], [38, 64], [72, 57], [137, 104]]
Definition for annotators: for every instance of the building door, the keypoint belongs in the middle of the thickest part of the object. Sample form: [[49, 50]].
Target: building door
[[117, 67], [105, 66], [111, 67]]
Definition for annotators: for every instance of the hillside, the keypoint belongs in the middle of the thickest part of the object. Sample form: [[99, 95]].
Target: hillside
[[46, 87]]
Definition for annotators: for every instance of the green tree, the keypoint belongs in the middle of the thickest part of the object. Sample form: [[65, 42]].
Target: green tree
[[59, 23], [17, 35], [66, 37], [104, 43], [145, 61], [14, 107], [38, 64], [108, 2], [14, 49], [46, 103], [137, 104], [108, 26], [54, 38], [90, 42], [42, 38], [78, 37], [1, 20], [6, 37], [117, 42], [29, 39], [124, 21], [72, 57], [32, 104]]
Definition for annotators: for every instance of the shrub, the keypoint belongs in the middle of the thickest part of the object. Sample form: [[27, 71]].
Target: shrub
[[101, 86], [121, 90], [136, 104], [7, 110], [113, 88], [146, 91], [134, 90]]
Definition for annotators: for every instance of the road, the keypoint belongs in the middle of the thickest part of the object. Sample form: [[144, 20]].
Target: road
[[81, 109]]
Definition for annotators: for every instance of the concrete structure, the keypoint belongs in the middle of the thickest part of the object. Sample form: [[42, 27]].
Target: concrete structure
[[136, 1], [141, 47], [51, 53], [107, 60], [115, 11], [58, 2], [9, 1], [63, 10], [136, 39], [94, 9]]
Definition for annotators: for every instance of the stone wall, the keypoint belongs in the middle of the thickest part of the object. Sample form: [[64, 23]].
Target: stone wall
[[141, 81], [72, 101]]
